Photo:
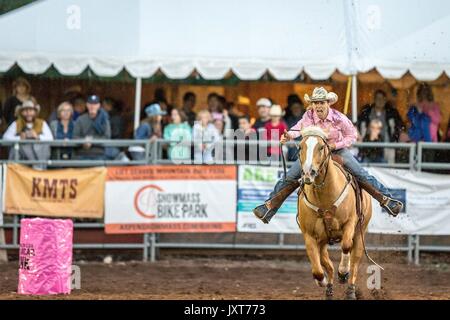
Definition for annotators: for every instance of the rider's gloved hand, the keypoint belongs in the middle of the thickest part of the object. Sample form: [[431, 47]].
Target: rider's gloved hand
[[285, 137]]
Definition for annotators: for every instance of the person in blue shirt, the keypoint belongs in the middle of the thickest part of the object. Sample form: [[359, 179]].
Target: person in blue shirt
[[150, 128]]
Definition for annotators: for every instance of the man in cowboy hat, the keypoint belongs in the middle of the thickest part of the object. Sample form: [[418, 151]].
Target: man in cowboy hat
[[341, 135], [29, 127], [27, 124]]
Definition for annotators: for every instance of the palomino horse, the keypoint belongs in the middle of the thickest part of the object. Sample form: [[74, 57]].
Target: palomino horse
[[327, 213]]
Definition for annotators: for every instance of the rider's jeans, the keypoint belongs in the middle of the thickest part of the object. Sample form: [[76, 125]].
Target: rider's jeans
[[350, 163]]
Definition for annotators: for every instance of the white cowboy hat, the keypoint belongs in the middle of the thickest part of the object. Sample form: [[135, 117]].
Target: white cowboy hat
[[321, 94], [27, 104], [276, 111]]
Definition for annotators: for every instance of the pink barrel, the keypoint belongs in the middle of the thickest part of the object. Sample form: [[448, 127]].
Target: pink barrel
[[45, 256]]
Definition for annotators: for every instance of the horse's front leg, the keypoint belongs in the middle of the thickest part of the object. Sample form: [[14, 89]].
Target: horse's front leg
[[328, 265], [348, 233], [356, 254], [312, 249]]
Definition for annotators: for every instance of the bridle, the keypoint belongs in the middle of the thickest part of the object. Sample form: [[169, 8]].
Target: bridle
[[323, 164]]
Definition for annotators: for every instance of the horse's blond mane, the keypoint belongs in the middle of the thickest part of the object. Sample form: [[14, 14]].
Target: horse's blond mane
[[314, 131]]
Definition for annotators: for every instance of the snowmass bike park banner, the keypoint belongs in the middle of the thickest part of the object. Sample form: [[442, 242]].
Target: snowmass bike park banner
[[426, 197], [170, 198]]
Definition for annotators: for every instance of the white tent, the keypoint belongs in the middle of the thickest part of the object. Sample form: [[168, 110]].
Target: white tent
[[249, 37]]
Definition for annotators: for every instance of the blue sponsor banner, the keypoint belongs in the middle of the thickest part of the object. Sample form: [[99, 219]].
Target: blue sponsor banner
[[254, 186]]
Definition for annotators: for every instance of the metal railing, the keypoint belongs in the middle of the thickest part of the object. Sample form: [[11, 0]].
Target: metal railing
[[424, 146], [153, 155]]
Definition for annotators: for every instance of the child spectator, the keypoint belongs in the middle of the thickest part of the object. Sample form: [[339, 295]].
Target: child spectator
[[205, 136], [275, 128], [374, 134], [179, 132]]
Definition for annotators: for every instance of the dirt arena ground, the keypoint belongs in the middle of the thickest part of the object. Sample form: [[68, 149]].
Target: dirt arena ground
[[236, 278]]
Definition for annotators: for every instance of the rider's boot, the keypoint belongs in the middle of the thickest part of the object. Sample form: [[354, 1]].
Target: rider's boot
[[392, 206], [266, 211]]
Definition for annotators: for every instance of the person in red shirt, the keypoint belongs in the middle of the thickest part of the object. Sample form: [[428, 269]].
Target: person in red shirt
[[275, 128]]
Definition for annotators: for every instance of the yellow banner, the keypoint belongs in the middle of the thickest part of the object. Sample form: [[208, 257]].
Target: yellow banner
[[73, 193]]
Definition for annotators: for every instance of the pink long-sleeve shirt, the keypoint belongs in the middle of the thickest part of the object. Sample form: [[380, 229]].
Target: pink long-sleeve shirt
[[434, 112], [340, 129]]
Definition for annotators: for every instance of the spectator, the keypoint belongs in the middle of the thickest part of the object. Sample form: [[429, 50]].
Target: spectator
[[213, 103], [222, 122], [447, 134], [150, 128], [382, 110], [275, 128], [229, 117], [62, 129], [159, 98], [205, 135], [189, 100], [374, 134], [114, 110], [79, 106], [419, 129], [425, 104], [294, 110], [245, 126], [29, 127], [179, 132], [263, 105], [445, 154], [235, 114], [391, 121], [93, 125], [245, 132], [21, 93]]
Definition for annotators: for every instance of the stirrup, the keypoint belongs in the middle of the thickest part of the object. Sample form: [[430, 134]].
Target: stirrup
[[263, 213], [398, 206]]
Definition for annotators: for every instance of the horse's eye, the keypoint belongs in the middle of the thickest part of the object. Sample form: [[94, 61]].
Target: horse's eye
[[321, 147]]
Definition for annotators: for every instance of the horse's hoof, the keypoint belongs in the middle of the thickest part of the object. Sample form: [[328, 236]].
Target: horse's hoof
[[350, 293], [322, 283], [329, 292], [343, 277]]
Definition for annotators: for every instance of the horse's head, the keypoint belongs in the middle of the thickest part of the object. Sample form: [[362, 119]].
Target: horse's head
[[313, 152]]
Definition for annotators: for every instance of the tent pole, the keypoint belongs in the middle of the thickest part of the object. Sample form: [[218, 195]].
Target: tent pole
[[137, 102], [354, 99]]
